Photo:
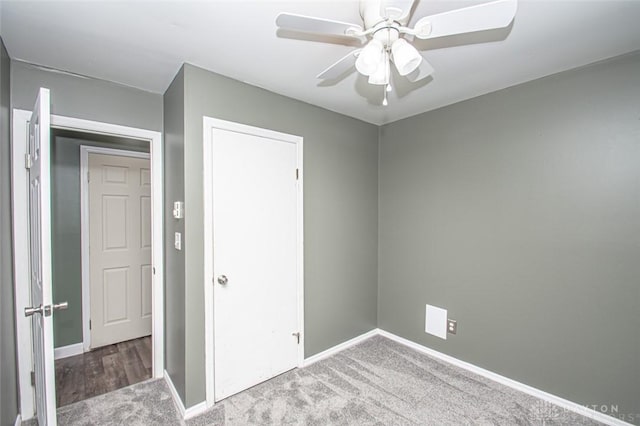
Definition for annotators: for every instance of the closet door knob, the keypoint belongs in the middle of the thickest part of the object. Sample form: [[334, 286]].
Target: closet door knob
[[222, 280]]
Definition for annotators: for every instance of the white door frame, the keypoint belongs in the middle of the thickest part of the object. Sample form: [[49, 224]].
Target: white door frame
[[21, 238], [207, 130], [85, 150]]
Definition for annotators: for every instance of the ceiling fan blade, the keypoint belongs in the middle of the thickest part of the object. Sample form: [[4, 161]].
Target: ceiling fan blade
[[340, 66], [309, 24], [424, 70], [487, 16]]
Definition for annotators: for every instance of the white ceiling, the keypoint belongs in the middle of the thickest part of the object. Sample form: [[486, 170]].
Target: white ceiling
[[142, 43]]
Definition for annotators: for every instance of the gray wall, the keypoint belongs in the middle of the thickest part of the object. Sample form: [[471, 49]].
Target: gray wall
[[84, 97], [519, 212], [175, 348], [341, 175], [8, 370], [65, 235]]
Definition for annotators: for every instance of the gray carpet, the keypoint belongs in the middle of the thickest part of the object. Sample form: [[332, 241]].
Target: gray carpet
[[146, 403], [377, 382]]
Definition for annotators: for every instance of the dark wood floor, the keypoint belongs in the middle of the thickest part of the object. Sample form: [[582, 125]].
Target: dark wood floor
[[102, 370]]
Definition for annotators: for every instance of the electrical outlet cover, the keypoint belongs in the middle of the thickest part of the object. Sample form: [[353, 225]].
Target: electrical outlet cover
[[436, 322], [452, 326]]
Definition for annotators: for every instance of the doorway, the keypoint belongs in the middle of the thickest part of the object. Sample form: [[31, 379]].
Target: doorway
[[152, 140], [116, 245], [253, 255], [101, 263]]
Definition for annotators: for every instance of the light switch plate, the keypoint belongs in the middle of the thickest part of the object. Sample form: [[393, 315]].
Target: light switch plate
[[436, 321], [178, 209], [177, 242]]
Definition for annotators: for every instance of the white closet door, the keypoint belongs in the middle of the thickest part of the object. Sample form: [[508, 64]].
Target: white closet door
[[254, 246]]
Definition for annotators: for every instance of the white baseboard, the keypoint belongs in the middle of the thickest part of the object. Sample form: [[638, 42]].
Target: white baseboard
[[195, 410], [18, 421], [545, 396], [185, 413], [67, 351], [340, 347], [174, 394]]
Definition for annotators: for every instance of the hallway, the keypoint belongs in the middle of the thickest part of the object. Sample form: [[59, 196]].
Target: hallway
[[102, 370]]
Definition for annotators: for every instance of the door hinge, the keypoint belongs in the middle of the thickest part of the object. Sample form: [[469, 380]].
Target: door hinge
[[33, 379], [297, 174], [88, 176], [28, 161], [89, 324], [297, 336], [154, 270]]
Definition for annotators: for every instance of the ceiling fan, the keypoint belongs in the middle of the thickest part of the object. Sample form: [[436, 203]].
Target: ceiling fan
[[387, 37]]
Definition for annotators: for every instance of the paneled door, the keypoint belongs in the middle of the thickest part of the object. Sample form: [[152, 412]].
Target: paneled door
[[119, 248], [255, 202], [42, 307]]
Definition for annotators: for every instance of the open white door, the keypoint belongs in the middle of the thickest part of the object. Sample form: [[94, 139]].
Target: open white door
[[38, 163]]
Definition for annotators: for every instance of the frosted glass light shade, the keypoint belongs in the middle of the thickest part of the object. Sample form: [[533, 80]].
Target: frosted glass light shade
[[405, 56], [381, 76], [370, 58]]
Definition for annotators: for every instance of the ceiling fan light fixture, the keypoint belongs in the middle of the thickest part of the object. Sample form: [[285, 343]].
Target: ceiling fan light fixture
[[405, 56], [385, 23], [370, 58], [381, 76]]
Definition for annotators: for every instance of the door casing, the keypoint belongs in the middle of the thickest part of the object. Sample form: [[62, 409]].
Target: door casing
[[208, 125], [19, 187]]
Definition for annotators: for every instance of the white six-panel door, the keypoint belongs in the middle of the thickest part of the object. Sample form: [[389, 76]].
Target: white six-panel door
[[119, 248], [255, 263], [42, 307]]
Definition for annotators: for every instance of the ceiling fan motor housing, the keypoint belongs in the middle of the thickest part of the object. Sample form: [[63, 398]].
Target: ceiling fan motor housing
[[385, 18], [375, 11], [387, 35]]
